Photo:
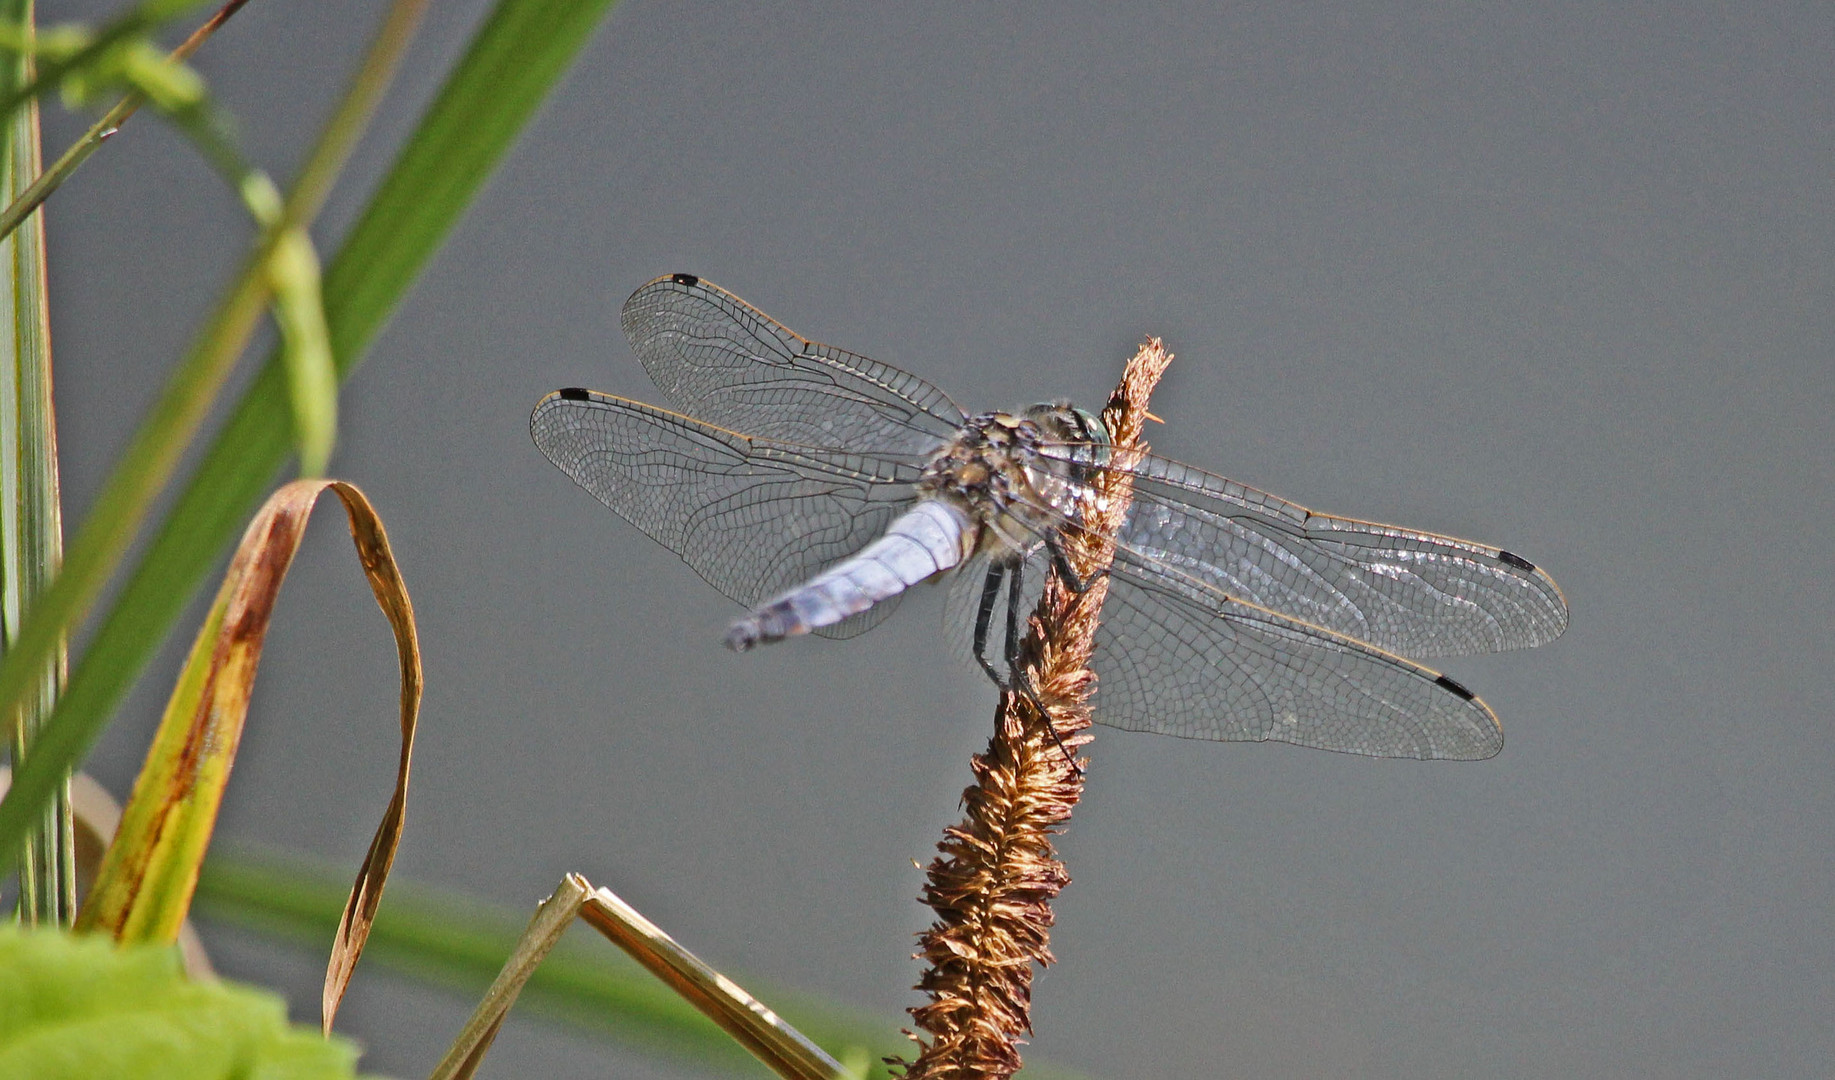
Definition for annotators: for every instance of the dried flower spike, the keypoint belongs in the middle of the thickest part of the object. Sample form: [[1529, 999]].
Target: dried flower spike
[[993, 884]]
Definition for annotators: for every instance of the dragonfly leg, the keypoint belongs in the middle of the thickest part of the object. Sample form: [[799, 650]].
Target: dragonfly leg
[[1018, 682], [1068, 574], [1015, 681], [990, 591], [1013, 619], [1079, 586]]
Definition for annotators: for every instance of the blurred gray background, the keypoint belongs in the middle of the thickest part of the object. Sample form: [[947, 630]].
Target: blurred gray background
[[1552, 276]]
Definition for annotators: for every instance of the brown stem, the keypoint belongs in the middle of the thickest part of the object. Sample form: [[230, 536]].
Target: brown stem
[[993, 884]]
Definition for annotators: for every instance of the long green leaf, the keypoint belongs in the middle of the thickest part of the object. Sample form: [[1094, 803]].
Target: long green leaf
[[31, 524]]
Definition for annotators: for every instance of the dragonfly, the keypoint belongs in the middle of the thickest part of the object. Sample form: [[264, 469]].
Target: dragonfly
[[815, 486]]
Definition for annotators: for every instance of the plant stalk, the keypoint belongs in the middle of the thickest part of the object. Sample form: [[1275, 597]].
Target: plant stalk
[[993, 883]]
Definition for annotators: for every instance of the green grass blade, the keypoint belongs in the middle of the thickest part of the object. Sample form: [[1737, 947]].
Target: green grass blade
[[151, 456], [31, 525], [305, 350]]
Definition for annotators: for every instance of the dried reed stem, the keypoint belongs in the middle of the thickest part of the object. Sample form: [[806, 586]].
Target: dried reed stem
[[993, 884]]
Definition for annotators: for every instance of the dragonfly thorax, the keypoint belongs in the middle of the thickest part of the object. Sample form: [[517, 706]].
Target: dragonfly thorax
[[1017, 478]]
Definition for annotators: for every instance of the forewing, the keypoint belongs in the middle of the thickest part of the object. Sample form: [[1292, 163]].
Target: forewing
[[752, 516], [1179, 658], [1409, 592], [724, 361]]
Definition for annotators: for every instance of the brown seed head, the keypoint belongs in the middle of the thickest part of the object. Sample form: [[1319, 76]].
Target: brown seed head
[[993, 883]]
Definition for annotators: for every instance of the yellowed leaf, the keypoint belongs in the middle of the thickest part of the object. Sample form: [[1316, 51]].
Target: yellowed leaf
[[147, 878]]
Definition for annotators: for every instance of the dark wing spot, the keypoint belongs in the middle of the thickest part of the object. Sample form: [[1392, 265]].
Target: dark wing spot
[[574, 393], [1512, 559], [685, 279], [1448, 684]]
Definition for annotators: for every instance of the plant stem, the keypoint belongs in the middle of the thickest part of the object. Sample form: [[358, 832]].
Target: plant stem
[[48, 181]]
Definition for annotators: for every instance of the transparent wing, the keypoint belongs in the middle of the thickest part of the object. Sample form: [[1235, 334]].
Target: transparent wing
[[753, 517], [1175, 657], [1410, 592], [724, 361], [1179, 658]]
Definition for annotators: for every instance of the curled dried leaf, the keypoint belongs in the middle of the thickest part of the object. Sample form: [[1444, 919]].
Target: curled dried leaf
[[144, 887]]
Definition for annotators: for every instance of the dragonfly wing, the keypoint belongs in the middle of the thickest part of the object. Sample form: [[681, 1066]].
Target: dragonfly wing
[[1415, 593], [724, 361], [1178, 658], [752, 516]]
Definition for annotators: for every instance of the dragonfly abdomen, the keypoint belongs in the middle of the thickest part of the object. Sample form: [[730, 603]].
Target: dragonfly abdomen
[[931, 537]]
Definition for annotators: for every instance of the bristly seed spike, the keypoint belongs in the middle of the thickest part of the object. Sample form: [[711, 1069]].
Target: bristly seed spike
[[992, 886]]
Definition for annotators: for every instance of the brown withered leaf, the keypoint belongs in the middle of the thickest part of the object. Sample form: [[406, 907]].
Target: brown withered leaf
[[783, 1049], [150, 871]]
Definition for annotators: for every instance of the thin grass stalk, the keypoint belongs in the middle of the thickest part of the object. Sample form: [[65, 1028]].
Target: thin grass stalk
[[31, 524], [57, 68], [993, 883], [48, 181]]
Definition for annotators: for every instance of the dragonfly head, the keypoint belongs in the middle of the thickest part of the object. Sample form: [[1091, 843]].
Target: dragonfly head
[[1064, 423]]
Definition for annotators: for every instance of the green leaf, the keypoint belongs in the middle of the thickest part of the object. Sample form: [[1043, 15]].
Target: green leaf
[[31, 522], [515, 58], [74, 1008], [305, 349]]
